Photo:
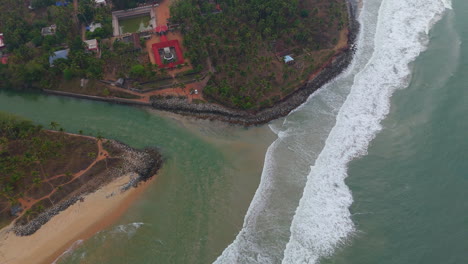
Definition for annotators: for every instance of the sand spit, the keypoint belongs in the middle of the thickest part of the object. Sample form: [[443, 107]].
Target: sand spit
[[78, 222], [89, 209]]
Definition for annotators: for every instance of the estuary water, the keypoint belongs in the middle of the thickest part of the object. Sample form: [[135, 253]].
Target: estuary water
[[372, 169]]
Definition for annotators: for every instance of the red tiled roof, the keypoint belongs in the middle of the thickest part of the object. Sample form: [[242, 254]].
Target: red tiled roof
[[161, 29], [171, 43]]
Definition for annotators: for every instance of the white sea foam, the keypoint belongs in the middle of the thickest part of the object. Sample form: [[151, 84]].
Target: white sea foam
[[301, 136], [128, 229], [265, 231], [322, 220], [69, 250]]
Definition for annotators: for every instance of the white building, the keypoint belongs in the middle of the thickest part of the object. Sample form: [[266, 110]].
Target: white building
[[48, 31], [92, 45], [288, 59], [2, 44], [93, 26], [100, 2]]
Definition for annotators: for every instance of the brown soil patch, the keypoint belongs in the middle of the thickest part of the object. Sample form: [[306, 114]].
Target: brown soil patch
[[75, 163]]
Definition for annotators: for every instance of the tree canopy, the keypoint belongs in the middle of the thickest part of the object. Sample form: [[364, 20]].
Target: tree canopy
[[243, 37]]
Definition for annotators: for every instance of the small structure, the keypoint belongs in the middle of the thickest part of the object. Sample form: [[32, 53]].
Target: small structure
[[218, 9], [2, 42], [136, 41], [161, 29], [61, 3], [120, 15], [119, 82], [92, 45], [168, 56], [48, 31], [60, 54], [93, 26], [4, 59], [288, 59], [100, 2], [167, 53], [15, 210]]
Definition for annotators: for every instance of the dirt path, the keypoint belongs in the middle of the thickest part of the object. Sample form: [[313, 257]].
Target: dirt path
[[162, 12], [173, 91], [28, 202]]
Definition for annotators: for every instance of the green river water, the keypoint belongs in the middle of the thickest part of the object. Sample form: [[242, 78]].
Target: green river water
[[199, 199], [409, 186]]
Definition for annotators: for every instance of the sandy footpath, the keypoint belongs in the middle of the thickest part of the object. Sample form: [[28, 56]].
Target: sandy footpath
[[78, 222]]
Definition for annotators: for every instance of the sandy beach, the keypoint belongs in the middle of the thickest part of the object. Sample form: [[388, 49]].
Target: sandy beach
[[79, 222]]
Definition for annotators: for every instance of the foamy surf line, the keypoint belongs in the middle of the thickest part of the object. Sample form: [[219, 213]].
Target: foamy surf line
[[322, 220], [69, 250]]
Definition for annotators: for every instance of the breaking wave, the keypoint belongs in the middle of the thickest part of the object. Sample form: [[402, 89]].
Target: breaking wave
[[322, 220], [69, 250], [128, 229], [287, 222]]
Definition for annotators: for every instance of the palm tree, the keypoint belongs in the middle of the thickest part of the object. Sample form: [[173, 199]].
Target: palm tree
[[53, 125], [37, 181]]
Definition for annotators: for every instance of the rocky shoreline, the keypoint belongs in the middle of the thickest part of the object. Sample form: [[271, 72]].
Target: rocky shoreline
[[217, 112], [282, 108], [144, 164]]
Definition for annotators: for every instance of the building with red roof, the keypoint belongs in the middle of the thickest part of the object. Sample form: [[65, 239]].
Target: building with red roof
[[92, 45], [4, 59], [168, 53], [161, 29]]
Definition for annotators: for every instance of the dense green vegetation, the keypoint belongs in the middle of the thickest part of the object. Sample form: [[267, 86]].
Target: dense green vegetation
[[29, 51], [242, 44], [34, 148], [243, 40], [38, 165]]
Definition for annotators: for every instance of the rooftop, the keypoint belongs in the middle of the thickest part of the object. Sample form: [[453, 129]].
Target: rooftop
[[288, 58], [179, 58], [59, 54], [2, 44], [47, 31], [161, 29], [91, 44], [93, 26], [61, 3]]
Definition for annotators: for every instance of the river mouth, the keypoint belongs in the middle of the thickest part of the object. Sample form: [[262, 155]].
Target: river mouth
[[197, 203]]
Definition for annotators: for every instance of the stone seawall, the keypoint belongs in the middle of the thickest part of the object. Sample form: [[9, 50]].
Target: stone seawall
[[217, 112], [143, 163], [248, 118]]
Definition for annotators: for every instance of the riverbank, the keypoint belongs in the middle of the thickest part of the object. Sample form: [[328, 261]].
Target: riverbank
[[76, 184], [76, 223], [113, 161], [212, 111]]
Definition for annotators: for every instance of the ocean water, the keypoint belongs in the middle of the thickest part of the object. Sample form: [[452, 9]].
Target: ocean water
[[372, 169]]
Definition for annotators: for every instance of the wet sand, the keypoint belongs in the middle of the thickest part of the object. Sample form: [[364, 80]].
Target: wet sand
[[79, 222]]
